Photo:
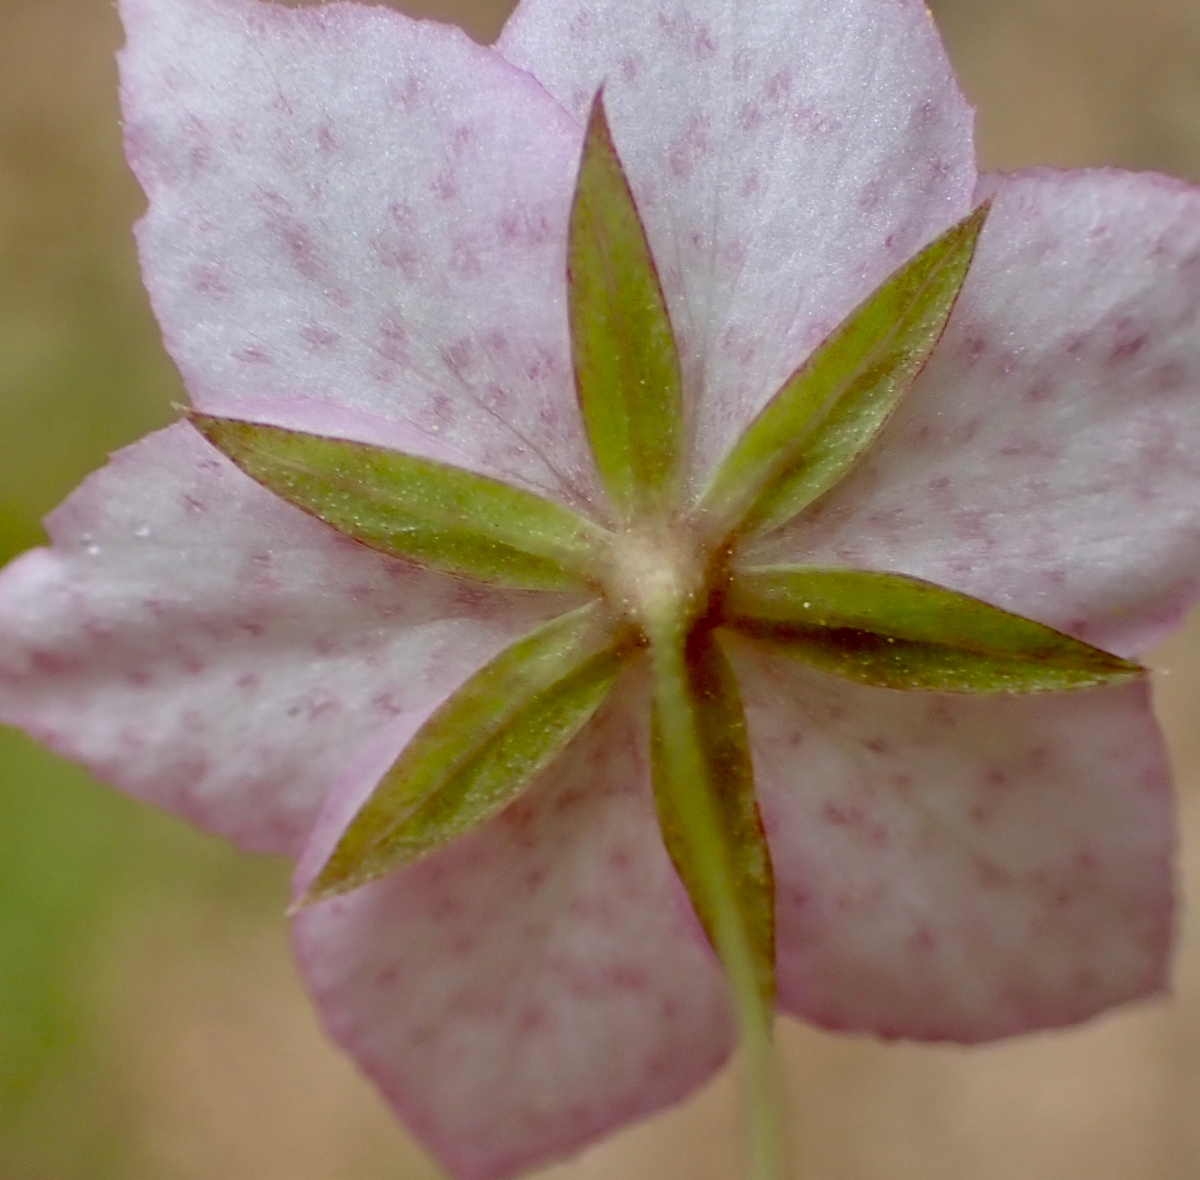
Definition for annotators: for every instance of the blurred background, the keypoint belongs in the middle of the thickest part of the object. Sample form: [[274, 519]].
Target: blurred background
[[151, 1025]]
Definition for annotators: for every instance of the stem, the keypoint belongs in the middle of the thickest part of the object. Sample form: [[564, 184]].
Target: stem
[[760, 1097]]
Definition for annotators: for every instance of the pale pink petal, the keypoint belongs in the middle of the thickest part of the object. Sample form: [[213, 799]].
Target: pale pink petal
[[205, 646], [351, 207], [960, 868], [536, 983], [786, 155], [1048, 459]]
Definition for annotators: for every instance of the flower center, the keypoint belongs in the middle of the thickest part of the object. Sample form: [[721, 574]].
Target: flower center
[[660, 578]]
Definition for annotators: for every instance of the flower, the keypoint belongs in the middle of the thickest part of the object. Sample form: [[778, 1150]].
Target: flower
[[358, 230]]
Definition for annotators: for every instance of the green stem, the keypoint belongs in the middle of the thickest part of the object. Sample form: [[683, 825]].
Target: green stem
[[760, 1096]]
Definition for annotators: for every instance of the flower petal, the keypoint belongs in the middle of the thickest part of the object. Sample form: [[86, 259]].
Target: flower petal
[[207, 647], [536, 983], [1048, 459], [785, 158], [356, 208], [960, 868]]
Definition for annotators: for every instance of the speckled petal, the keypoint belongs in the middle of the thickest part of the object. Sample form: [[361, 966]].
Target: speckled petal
[[786, 156], [207, 647], [1048, 459], [537, 983], [960, 868], [351, 207]]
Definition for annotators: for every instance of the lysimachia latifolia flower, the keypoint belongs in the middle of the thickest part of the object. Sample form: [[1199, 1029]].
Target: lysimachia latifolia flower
[[648, 539]]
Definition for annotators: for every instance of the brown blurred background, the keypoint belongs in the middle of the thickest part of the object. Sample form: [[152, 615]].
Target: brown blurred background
[[151, 1026]]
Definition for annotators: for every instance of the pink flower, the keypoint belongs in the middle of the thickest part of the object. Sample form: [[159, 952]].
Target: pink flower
[[358, 228]]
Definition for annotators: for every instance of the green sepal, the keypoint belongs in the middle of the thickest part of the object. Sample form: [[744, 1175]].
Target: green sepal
[[707, 809], [626, 364], [712, 830], [808, 435], [431, 513], [482, 747], [894, 631]]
